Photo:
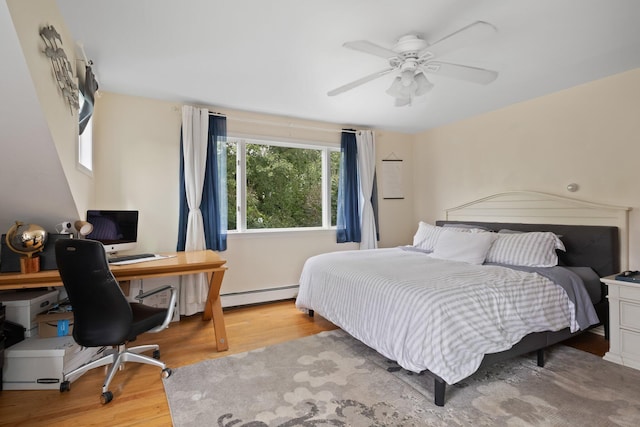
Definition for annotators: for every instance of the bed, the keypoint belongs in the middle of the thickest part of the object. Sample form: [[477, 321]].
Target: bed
[[418, 309]]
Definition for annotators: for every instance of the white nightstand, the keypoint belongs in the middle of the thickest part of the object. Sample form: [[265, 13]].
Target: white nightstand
[[624, 322]]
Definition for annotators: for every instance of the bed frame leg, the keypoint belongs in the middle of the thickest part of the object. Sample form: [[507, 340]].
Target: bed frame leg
[[540, 354], [311, 313], [439, 387]]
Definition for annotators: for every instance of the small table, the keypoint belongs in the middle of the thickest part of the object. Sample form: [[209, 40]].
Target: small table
[[624, 322], [179, 263]]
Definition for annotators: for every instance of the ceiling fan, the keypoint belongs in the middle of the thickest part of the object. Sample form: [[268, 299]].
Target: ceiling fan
[[414, 57]]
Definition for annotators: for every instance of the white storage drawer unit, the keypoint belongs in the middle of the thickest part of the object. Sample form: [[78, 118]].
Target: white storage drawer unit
[[24, 306], [39, 363]]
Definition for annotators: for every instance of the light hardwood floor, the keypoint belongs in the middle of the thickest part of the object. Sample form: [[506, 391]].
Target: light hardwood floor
[[139, 397]]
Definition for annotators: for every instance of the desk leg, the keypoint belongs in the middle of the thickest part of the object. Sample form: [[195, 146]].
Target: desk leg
[[213, 309], [125, 285]]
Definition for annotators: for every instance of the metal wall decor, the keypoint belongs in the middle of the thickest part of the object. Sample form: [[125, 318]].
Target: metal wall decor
[[61, 65]]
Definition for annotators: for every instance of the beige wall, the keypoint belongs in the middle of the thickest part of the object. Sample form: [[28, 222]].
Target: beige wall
[[137, 165], [397, 220], [587, 135]]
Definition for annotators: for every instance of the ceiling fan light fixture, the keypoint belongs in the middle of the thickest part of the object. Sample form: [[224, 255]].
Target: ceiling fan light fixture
[[406, 78], [399, 90], [396, 88], [422, 83], [407, 85], [402, 102]]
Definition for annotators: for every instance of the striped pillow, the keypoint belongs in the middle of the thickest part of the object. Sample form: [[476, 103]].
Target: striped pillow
[[535, 249], [427, 235]]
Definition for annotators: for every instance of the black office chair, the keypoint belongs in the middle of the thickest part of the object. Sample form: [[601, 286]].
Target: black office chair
[[102, 315]]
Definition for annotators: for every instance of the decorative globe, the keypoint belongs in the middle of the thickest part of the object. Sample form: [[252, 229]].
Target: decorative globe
[[26, 239]]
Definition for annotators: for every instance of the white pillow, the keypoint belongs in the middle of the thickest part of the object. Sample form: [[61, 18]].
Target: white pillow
[[426, 236], [535, 249], [465, 247]]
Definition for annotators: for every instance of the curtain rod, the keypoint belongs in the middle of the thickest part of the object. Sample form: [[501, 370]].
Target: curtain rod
[[287, 125]]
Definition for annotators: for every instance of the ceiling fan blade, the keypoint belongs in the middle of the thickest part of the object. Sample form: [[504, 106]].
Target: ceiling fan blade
[[359, 82], [372, 48], [461, 38], [461, 72]]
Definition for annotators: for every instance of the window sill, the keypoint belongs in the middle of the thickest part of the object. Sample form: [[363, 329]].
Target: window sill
[[279, 232], [85, 170]]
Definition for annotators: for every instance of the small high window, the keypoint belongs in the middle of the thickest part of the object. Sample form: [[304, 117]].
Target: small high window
[[85, 143]]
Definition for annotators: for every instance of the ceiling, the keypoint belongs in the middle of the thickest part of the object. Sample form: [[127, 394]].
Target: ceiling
[[283, 56]]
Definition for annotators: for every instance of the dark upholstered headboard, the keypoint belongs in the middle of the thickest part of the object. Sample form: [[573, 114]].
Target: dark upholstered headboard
[[592, 246]]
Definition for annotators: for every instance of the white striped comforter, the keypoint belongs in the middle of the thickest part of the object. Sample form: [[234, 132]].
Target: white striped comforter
[[427, 313]]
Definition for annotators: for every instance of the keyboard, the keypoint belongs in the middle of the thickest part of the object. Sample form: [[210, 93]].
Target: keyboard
[[131, 257]]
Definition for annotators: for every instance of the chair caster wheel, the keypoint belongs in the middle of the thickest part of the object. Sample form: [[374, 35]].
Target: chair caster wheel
[[65, 386], [156, 354], [166, 372], [106, 397]]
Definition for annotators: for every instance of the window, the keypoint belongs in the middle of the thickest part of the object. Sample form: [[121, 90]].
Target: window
[[85, 143], [279, 185]]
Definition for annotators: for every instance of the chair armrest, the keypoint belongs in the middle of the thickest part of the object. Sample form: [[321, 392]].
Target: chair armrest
[[170, 309]]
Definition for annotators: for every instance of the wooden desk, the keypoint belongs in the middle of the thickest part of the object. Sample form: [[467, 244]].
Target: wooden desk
[[182, 263]]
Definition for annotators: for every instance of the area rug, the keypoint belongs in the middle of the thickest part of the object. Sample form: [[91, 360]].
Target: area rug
[[330, 379]]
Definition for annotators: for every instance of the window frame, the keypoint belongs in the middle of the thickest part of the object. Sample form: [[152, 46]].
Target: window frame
[[85, 143], [241, 142]]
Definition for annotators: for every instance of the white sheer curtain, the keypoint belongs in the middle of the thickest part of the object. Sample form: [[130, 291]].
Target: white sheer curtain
[[365, 141], [195, 130]]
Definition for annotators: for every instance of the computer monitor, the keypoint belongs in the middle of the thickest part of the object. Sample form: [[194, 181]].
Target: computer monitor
[[117, 230]]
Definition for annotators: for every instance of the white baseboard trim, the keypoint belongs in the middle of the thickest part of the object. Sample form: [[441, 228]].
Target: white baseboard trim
[[598, 330], [256, 297]]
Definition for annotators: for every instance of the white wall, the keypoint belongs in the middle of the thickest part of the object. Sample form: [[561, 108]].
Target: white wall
[[587, 135], [137, 166]]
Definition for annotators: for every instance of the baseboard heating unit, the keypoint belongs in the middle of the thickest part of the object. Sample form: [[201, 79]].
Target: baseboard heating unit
[[259, 296]]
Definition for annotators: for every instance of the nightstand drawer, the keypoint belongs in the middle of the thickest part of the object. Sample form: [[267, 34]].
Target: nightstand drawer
[[630, 344], [630, 315], [632, 293]]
